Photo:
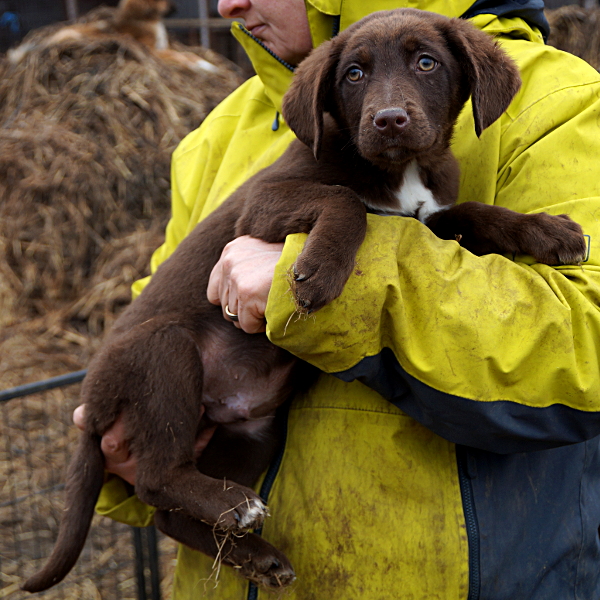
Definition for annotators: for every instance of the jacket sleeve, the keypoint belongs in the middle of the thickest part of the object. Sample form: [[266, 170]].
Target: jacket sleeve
[[118, 502], [493, 352]]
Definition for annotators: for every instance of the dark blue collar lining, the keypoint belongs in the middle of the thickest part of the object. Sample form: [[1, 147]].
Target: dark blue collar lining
[[531, 11]]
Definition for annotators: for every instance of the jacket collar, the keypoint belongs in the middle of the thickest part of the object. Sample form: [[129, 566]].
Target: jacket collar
[[275, 74]]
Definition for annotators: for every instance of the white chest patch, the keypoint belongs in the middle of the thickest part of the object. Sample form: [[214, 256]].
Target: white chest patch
[[162, 39], [414, 199]]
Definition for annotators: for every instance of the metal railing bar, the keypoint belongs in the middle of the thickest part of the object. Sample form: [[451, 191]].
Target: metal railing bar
[[197, 23], [55, 488], [42, 386], [153, 562], [150, 547], [139, 563]]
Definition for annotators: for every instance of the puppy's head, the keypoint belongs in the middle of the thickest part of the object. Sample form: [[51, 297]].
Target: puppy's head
[[396, 82]]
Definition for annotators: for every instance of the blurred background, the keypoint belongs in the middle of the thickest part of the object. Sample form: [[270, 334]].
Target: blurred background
[[87, 129]]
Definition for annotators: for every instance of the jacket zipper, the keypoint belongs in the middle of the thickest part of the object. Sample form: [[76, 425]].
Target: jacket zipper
[[280, 60], [275, 125], [466, 491], [269, 480]]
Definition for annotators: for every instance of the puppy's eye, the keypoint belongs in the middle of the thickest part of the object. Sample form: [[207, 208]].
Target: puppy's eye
[[355, 74], [426, 63]]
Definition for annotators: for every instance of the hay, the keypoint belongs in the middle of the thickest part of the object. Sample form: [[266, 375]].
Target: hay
[[86, 135], [576, 30]]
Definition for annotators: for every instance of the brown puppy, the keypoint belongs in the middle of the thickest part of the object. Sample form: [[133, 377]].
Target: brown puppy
[[374, 109], [137, 19]]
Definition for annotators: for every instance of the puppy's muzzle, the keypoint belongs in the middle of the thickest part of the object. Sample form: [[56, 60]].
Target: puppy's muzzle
[[391, 121]]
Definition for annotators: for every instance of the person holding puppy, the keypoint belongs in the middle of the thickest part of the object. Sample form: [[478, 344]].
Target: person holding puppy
[[450, 449]]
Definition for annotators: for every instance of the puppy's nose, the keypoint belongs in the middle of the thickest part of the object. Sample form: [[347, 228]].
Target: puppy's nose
[[391, 121]]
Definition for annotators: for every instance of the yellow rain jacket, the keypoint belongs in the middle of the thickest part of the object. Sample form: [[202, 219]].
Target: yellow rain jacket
[[449, 450]]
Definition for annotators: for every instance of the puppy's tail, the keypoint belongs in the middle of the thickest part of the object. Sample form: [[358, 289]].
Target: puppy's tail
[[84, 480]]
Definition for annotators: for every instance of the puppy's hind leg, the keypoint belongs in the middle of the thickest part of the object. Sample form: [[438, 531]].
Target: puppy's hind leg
[[252, 556], [163, 418]]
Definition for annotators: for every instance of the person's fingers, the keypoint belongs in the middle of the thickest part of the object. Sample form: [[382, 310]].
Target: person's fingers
[[213, 291], [251, 313], [229, 296], [114, 445], [242, 279], [118, 459], [79, 417], [202, 440], [125, 470], [219, 284]]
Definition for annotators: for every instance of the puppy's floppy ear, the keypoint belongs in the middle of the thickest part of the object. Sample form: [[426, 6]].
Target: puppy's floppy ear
[[492, 75], [311, 94]]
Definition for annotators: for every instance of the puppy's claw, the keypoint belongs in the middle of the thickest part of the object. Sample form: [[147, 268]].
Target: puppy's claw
[[299, 276]]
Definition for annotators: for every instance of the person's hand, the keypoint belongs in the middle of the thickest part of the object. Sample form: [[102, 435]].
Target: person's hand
[[118, 459], [241, 280]]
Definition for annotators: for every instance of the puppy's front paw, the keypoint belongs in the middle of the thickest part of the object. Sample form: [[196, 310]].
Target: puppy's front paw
[[317, 284], [248, 513], [555, 240], [251, 513]]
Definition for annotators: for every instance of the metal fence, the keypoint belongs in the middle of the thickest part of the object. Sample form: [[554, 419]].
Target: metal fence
[[36, 436]]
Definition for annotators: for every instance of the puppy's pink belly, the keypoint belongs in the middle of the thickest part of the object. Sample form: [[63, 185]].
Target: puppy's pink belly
[[235, 394], [236, 407]]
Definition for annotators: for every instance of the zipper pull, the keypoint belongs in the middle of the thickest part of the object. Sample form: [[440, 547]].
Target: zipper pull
[[275, 125]]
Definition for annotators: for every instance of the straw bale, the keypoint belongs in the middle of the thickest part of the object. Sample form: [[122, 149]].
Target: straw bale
[[576, 30], [87, 129], [86, 134]]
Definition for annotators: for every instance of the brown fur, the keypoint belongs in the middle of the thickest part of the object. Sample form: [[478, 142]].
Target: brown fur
[[172, 350], [576, 30]]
